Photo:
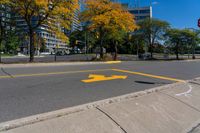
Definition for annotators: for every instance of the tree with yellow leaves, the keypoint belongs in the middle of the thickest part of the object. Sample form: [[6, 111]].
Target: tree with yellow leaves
[[55, 14], [107, 19]]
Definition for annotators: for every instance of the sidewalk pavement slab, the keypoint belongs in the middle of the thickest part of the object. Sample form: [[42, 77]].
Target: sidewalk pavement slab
[[91, 121], [153, 113], [188, 93]]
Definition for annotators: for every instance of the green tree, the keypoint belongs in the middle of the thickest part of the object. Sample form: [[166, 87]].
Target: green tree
[[12, 42], [195, 40], [177, 39], [83, 39], [116, 39], [153, 30], [138, 42], [174, 40]]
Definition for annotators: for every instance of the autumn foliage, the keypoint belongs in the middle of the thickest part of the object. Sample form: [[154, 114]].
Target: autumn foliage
[[55, 14], [107, 18]]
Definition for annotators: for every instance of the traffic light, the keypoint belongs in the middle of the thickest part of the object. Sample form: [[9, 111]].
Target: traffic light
[[199, 23]]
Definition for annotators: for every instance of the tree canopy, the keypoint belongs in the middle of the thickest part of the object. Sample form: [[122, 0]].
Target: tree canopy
[[57, 15], [177, 39], [153, 30], [107, 18]]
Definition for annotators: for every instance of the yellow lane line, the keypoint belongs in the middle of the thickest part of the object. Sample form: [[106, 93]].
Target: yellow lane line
[[113, 62], [53, 73], [149, 75]]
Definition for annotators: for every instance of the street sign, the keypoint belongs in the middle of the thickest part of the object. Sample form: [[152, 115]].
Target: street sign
[[199, 23], [98, 78]]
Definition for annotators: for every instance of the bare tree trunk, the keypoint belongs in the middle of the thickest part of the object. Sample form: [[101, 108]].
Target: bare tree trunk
[[177, 56], [151, 50], [116, 51], [101, 49], [32, 48], [193, 52], [177, 51]]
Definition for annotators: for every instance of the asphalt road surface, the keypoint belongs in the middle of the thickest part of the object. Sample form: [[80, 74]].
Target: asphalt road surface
[[26, 91]]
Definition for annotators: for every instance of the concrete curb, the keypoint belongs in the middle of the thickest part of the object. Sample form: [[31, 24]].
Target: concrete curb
[[191, 128], [63, 112], [57, 64]]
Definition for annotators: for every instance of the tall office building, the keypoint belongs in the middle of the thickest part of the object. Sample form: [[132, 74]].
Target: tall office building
[[42, 32], [76, 25], [141, 13], [6, 20], [134, 8]]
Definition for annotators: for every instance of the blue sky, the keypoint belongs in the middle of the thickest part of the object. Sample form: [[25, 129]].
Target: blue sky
[[179, 13]]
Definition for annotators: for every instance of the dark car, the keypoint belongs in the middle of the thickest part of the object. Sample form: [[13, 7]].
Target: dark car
[[144, 56]]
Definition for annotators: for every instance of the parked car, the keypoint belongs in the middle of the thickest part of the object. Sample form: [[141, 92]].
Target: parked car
[[63, 52], [144, 56]]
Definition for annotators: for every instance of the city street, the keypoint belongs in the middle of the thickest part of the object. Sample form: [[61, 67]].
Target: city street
[[26, 91], [84, 57]]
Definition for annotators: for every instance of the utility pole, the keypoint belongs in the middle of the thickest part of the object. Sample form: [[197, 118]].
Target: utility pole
[[1, 38], [56, 51]]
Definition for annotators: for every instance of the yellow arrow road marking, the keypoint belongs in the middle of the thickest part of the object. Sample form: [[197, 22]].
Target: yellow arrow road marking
[[98, 78], [150, 75]]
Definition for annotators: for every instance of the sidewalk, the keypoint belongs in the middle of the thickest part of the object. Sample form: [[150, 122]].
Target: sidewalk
[[169, 109]]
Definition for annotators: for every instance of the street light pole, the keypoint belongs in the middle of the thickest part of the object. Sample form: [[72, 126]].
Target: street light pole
[[56, 50], [86, 45]]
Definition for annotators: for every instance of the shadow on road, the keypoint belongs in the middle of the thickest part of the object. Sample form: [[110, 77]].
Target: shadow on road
[[152, 83]]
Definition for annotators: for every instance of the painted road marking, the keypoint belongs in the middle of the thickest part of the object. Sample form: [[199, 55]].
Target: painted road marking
[[113, 62], [89, 71], [149, 75], [53, 73], [187, 93], [98, 78]]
